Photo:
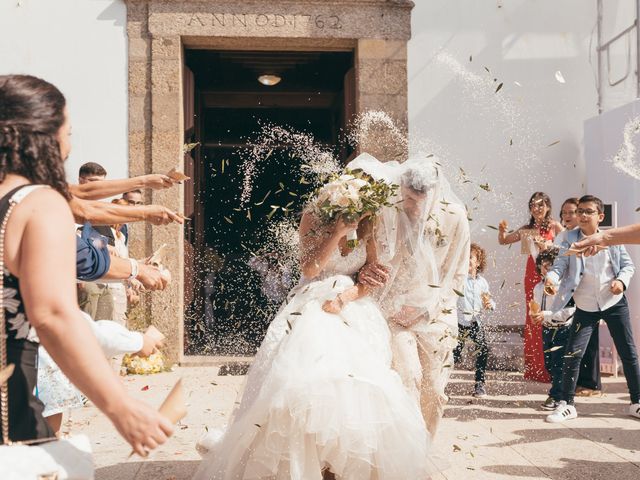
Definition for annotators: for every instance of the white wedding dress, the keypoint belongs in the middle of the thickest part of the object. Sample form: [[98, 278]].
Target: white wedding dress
[[321, 394]]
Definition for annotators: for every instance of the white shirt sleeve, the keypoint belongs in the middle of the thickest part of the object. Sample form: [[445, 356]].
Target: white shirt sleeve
[[114, 338]]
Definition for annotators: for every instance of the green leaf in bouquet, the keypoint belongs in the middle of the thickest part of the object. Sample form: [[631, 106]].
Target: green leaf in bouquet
[[227, 219], [458, 292], [485, 187]]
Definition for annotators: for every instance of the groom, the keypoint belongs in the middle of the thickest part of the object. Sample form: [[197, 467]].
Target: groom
[[424, 338]]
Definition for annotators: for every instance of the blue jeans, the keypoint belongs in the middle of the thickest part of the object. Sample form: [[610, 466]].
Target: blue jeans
[[589, 376], [554, 360], [619, 325], [475, 333]]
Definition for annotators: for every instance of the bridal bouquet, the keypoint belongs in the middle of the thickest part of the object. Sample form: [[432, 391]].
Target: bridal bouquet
[[350, 196]]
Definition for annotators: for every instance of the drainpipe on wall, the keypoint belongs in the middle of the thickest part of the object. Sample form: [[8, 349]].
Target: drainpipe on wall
[[599, 53], [637, 48]]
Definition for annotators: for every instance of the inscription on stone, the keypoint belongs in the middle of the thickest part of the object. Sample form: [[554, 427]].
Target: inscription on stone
[[265, 20]]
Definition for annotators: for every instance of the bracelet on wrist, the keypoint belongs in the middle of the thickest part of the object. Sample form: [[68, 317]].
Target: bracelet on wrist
[[135, 269]]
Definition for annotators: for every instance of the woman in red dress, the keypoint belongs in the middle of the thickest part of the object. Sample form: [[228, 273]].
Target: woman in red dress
[[540, 229]]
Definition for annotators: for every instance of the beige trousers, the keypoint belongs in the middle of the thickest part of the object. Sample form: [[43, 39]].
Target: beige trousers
[[423, 357], [119, 315]]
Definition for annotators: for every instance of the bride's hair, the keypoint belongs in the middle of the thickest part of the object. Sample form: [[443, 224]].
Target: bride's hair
[[420, 179]]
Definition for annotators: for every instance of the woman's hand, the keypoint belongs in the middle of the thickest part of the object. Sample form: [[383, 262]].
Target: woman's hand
[[141, 426], [341, 227], [333, 306], [542, 243], [592, 244]]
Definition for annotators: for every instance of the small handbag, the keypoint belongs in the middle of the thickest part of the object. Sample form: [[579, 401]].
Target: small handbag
[[48, 459]]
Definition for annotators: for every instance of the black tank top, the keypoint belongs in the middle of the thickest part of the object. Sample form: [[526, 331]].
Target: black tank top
[[17, 326]]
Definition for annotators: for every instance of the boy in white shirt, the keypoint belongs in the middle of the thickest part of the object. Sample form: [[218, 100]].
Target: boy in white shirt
[[597, 285], [471, 312]]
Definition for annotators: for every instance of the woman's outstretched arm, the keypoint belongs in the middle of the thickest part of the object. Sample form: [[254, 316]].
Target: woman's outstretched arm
[[45, 264]]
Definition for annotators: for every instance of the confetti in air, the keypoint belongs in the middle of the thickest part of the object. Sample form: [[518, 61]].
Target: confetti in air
[[314, 159], [624, 160]]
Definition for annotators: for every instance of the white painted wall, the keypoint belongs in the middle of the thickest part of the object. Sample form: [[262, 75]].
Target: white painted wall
[[79, 46], [454, 112], [603, 139]]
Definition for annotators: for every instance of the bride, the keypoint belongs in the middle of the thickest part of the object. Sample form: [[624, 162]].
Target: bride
[[321, 399]]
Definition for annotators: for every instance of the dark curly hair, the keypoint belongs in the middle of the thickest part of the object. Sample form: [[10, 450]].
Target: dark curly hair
[[547, 255], [481, 255], [31, 114]]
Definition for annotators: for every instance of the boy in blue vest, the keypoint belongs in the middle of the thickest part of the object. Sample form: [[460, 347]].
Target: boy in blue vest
[[597, 285]]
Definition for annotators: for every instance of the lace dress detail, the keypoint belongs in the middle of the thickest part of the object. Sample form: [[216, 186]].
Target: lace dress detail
[[348, 265]]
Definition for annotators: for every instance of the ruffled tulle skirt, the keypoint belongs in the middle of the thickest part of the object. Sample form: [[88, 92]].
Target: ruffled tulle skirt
[[321, 394]]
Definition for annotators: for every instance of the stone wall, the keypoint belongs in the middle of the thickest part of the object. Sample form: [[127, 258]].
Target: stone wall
[[376, 30]]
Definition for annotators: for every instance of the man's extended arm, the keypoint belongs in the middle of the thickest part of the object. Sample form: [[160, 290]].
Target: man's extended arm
[[108, 188], [102, 213]]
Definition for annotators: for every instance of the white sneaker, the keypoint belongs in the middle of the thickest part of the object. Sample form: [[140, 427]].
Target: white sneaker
[[562, 413], [634, 410]]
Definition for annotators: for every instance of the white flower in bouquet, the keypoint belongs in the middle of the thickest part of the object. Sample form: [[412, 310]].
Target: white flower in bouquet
[[350, 196]]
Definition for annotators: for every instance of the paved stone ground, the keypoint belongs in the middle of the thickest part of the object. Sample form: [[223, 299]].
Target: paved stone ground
[[502, 436]]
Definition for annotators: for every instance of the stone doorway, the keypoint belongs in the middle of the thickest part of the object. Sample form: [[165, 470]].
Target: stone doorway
[[159, 33]]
